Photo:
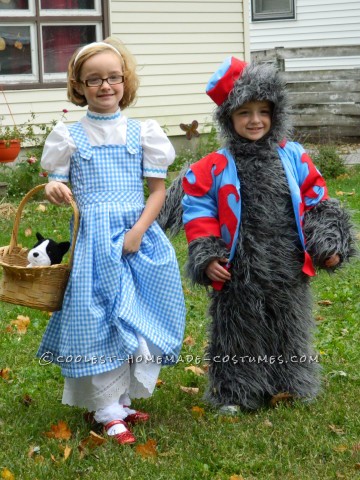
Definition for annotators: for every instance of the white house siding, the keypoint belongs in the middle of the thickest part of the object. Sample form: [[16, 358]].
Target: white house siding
[[318, 23], [177, 44]]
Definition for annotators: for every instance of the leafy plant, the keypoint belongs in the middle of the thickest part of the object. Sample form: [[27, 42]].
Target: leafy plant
[[329, 162]]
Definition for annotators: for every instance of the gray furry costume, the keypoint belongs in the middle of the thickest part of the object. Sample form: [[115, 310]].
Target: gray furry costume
[[260, 335]]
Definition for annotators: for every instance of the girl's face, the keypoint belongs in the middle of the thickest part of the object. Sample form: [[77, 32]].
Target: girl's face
[[253, 119], [104, 98]]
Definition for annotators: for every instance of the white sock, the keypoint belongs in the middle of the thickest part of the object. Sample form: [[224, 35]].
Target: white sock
[[115, 411], [115, 429]]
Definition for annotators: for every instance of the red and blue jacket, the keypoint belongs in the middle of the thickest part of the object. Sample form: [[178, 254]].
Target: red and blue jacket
[[212, 201]]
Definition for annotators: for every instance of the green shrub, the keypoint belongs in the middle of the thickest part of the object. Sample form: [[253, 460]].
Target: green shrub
[[329, 162]]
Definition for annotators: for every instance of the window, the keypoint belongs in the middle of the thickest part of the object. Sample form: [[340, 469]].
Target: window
[[272, 9], [38, 37]]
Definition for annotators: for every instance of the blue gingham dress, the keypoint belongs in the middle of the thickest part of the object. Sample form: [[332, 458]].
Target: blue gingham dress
[[110, 297]]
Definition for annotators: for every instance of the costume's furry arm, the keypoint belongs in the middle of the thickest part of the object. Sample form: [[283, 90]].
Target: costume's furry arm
[[170, 216], [201, 252], [328, 231]]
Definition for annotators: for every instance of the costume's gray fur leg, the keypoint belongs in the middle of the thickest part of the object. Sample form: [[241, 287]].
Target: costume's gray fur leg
[[259, 348], [328, 230]]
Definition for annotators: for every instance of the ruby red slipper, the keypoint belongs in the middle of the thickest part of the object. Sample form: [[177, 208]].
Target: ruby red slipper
[[123, 437], [137, 417]]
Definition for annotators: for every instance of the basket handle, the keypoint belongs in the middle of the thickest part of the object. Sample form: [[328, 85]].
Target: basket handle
[[14, 234]]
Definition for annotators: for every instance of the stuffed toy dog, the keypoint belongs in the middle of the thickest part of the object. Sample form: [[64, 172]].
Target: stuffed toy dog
[[46, 252]]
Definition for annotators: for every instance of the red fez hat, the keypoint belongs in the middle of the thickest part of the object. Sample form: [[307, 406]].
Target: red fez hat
[[222, 81]]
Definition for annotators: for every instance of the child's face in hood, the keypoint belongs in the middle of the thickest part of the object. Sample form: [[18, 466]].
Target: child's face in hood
[[253, 119]]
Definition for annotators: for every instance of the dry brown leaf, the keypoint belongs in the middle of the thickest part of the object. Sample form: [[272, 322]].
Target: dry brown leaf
[[27, 400], [6, 474], [33, 450], [60, 431], [197, 411], [356, 448], [28, 232], [340, 448], [190, 390], [267, 423], [159, 382], [357, 466], [5, 373], [236, 477], [21, 323], [53, 458], [147, 449], [284, 397], [197, 370], [229, 419], [325, 302], [41, 208], [92, 441], [67, 452], [337, 430], [189, 341], [341, 193], [319, 318]]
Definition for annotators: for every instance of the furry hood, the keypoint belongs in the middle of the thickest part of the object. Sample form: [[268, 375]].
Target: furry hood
[[257, 82]]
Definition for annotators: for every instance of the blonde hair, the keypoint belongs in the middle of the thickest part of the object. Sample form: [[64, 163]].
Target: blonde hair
[[128, 63]]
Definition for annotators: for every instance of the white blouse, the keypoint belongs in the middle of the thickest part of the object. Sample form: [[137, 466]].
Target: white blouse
[[107, 129]]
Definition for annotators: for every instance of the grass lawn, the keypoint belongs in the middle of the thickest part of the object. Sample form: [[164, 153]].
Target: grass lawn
[[185, 439]]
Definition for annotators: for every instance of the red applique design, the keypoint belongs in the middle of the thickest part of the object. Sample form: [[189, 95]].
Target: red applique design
[[202, 172]]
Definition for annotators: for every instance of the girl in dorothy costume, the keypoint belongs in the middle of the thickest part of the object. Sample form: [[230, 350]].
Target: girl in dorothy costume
[[123, 313]]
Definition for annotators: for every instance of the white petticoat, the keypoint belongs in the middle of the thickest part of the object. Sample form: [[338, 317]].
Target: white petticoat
[[132, 380]]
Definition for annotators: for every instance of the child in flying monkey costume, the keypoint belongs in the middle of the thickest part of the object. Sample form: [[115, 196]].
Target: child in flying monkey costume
[[258, 218]]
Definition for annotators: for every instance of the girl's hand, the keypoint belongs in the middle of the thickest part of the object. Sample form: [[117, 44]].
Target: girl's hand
[[132, 241], [332, 261], [216, 272], [58, 192]]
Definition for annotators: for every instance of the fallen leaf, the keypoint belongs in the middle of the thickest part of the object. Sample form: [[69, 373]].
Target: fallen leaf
[[41, 208], [229, 419], [236, 477], [198, 411], [267, 423], [27, 400], [337, 430], [190, 390], [189, 341], [340, 193], [159, 382], [21, 323], [4, 373], [92, 441], [6, 474], [356, 448], [319, 318], [339, 475], [325, 302], [33, 450], [67, 452], [53, 458], [357, 466], [60, 431], [340, 448], [28, 232], [284, 397], [197, 370], [147, 449]]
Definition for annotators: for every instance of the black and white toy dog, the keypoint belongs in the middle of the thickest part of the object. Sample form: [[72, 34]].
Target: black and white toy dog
[[46, 252]]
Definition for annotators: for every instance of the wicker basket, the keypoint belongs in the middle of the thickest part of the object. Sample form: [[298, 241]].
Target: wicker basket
[[42, 288]]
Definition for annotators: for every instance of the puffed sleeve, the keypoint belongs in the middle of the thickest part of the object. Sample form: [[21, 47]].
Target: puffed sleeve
[[58, 149], [157, 150]]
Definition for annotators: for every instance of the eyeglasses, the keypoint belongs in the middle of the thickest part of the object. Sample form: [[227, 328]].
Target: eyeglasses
[[97, 82]]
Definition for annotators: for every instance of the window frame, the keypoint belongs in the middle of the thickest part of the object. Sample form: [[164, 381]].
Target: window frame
[[263, 17], [32, 18]]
